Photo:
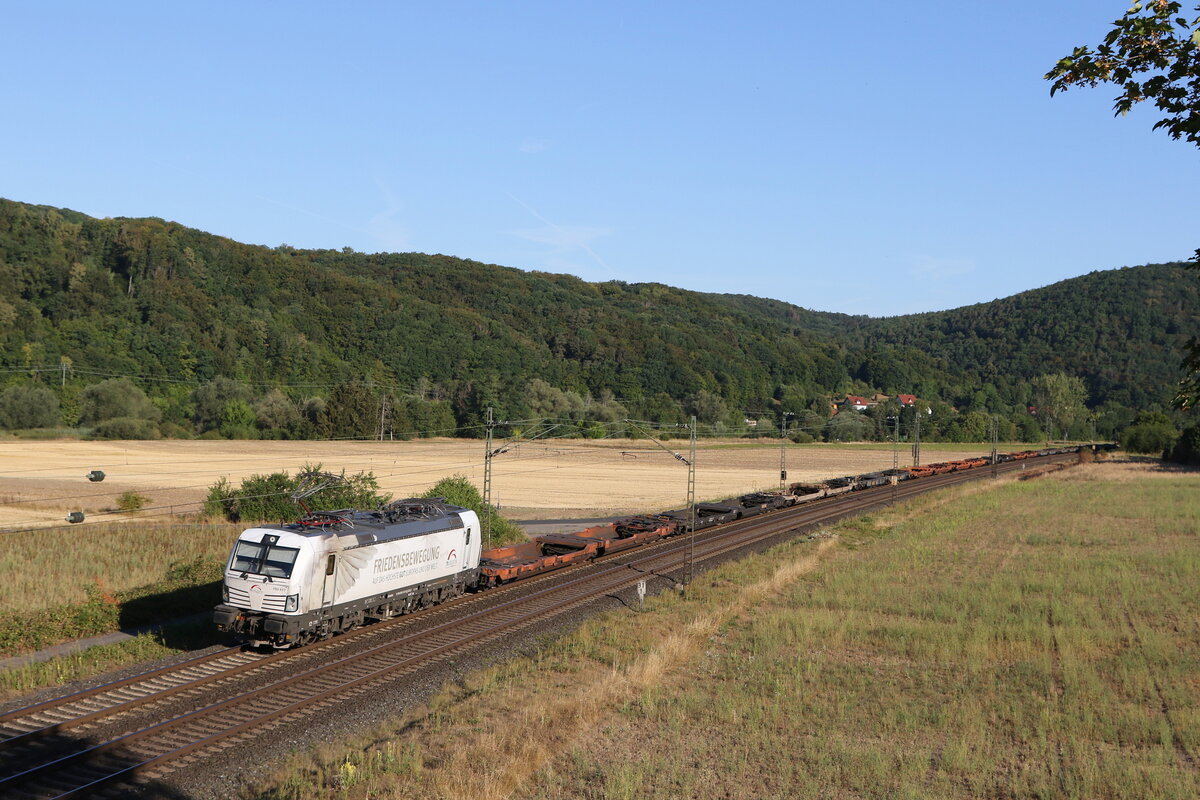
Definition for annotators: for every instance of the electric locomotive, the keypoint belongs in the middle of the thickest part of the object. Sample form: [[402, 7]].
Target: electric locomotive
[[331, 571]]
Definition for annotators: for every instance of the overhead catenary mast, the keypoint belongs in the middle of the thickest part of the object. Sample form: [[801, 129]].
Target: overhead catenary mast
[[487, 480], [691, 486], [916, 448], [692, 502], [783, 449]]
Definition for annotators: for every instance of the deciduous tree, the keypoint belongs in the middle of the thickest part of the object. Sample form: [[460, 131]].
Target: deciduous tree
[[211, 400], [114, 398], [1059, 399], [29, 405]]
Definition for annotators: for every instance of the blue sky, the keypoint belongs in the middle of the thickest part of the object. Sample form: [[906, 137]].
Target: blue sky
[[875, 158]]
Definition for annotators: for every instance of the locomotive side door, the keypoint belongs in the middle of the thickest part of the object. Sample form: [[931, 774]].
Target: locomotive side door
[[329, 582]]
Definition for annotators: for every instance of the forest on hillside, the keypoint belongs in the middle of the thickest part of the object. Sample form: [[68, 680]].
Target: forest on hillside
[[140, 327]]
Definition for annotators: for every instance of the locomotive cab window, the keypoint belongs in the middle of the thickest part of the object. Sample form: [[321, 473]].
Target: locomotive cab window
[[261, 559]]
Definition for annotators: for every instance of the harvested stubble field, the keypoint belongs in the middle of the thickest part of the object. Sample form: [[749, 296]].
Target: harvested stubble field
[[1026, 639], [42, 480]]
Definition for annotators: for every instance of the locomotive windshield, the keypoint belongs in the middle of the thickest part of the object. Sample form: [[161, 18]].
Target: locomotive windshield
[[263, 559]]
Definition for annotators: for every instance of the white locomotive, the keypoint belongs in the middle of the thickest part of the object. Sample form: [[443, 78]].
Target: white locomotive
[[299, 582]]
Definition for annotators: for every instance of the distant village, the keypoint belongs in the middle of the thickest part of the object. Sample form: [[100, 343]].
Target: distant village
[[855, 402]]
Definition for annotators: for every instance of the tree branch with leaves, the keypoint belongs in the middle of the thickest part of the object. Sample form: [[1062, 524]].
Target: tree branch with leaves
[[1151, 53]]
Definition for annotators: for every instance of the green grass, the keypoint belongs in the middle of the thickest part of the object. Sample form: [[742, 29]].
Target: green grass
[[103, 658], [187, 588], [1031, 639], [117, 557], [106, 577]]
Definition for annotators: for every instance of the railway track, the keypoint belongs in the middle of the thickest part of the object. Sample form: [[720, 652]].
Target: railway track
[[92, 743]]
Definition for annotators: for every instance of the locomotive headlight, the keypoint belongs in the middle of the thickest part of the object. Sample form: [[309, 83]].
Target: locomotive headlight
[[292, 602], [224, 593]]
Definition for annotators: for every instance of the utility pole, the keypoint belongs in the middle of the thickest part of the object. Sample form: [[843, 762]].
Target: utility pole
[[382, 416], [916, 449], [783, 449], [487, 481]]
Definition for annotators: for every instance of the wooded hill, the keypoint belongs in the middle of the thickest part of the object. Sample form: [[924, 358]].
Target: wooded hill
[[175, 309]]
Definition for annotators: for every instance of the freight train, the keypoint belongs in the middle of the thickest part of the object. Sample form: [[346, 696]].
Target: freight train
[[331, 571]]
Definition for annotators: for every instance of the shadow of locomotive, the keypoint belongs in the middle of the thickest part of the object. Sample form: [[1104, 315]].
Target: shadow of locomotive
[[182, 617], [59, 762]]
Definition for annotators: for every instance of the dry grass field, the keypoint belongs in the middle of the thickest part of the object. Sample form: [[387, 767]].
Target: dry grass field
[[1033, 639], [40, 481]]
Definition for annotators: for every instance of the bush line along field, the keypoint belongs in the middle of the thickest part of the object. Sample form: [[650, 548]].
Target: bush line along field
[[1020, 639]]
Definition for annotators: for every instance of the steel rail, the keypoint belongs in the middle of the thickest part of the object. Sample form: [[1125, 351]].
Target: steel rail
[[108, 698], [114, 685]]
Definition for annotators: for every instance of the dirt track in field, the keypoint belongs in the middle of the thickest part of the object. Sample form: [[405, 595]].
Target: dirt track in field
[[40, 481]]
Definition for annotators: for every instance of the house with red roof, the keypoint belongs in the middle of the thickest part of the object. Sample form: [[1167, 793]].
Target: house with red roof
[[856, 402]]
